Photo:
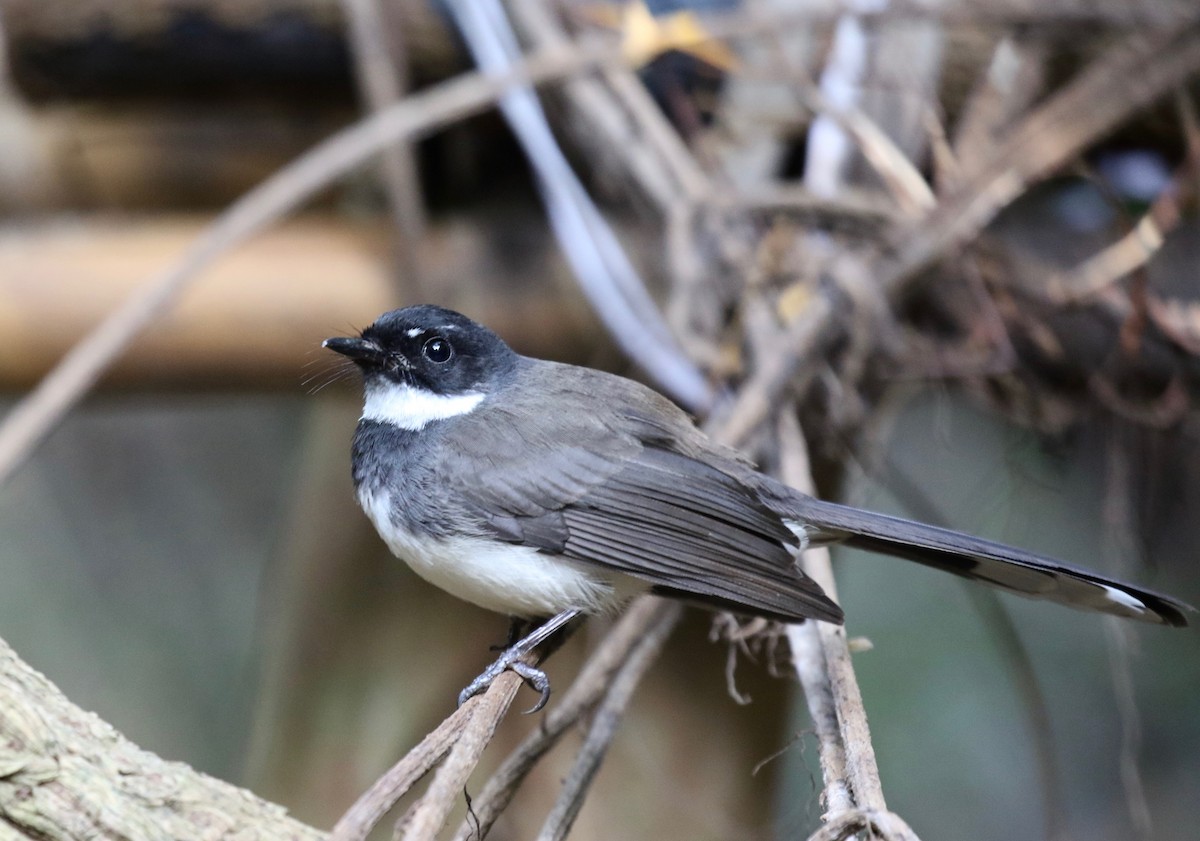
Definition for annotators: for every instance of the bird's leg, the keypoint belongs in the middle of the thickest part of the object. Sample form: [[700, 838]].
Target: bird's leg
[[517, 628], [510, 659]]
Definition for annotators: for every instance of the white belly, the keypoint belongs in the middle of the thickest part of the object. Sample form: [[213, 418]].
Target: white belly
[[517, 580]]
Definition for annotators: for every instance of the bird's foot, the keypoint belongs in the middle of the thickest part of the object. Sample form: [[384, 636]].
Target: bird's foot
[[510, 660]]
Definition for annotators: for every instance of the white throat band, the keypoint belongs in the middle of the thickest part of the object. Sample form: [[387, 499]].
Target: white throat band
[[413, 408]]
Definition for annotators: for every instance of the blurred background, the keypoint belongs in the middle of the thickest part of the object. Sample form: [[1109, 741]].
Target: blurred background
[[183, 554]]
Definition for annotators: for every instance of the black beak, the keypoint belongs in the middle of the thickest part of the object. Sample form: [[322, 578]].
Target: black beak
[[360, 350]]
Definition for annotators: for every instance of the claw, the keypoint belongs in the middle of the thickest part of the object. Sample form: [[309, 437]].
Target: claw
[[537, 680], [509, 661]]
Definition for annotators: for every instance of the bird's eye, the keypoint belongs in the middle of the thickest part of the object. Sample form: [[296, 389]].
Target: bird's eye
[[437, 350]]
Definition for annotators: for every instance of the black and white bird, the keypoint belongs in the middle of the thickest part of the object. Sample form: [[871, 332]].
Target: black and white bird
[[539, 489]]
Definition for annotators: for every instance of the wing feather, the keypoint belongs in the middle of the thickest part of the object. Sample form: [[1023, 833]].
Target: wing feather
[[716, 542], [602, 486]]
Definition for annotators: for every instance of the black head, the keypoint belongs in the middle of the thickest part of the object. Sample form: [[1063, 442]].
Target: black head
[[431, 348]]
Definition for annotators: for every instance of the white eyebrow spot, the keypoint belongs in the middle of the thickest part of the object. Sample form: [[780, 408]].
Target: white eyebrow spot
[[412, 333], [414, 408], [1120, 597]]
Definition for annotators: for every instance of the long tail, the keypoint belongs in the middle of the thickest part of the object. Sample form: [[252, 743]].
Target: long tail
[[1001, 566]]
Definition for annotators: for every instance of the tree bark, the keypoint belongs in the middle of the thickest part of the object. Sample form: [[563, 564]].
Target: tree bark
[[66, 774]]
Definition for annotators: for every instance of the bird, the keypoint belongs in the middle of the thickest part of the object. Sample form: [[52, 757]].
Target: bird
[[540, 489]]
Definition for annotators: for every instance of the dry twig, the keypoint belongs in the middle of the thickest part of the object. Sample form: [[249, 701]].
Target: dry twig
[[1134, 250], [827, 667], [1125, 78], [383, 79], [1128, 76], [42, 409], [376, 801], [586, 690], [465, 733], [429, 815], [650, 150], [604, 724], [864, 823]]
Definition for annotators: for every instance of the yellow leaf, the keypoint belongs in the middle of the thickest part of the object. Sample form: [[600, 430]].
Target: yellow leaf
[[645, 37]]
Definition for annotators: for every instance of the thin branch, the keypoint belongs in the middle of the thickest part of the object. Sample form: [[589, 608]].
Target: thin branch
[[460, 738], [473, 724], [663, 179], [378, 800], [1134, 250], [1124, 79], [903, 180], [864, 823], [784, 369], [486, 711], [41, 410], [809, 662], [834, 667], [604, 726], [1120, 81], [383, 79], [593, 681], [1118, 260]]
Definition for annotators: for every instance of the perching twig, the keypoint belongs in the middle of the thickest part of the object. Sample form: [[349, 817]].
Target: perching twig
[[604, 726], [808, 659], [466, 731], [864, 823], [32, 419], [461, 737], [376, 801], [588, 687], [429, 815], [853, 794]]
